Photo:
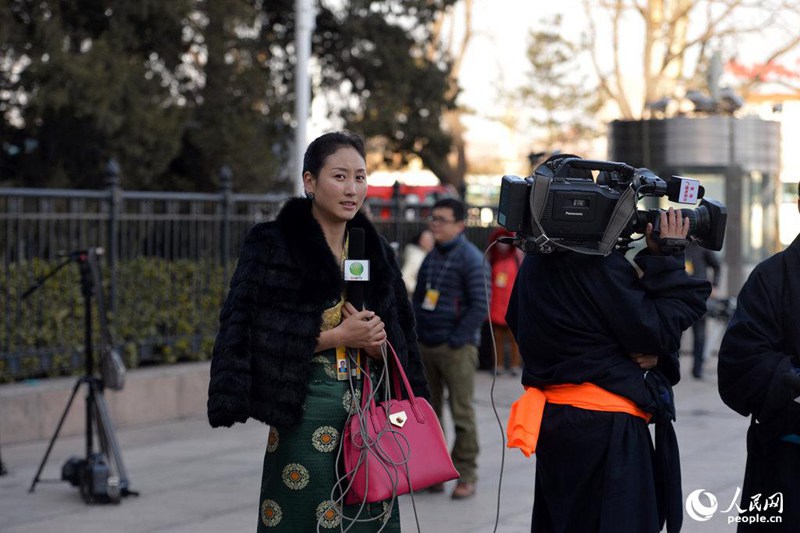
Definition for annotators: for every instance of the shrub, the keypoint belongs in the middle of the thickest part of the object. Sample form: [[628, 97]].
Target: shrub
[[166, 312]]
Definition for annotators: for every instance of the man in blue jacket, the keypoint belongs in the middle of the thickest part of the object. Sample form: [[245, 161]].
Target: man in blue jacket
[[450, 304]]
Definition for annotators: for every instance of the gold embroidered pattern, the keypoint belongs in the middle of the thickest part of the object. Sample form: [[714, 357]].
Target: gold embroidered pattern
[[332, 316], [330, 369], [273, 439], [348, 403], [387, 512], [329, 514], [295, 476], [325, 438], [271, 513]]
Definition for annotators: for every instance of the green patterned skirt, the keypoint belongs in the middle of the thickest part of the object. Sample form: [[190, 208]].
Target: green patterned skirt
[[300, 465]]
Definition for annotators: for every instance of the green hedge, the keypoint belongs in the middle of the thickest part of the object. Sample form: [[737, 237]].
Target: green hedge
[[166, 312]]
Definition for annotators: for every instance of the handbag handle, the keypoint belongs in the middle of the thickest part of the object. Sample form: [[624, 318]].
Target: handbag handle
[[397, 394]]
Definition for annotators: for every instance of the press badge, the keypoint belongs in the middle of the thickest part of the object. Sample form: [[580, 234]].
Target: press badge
[[431, 299], [501, 280], [346, 368], [341, 363], [355, 367]]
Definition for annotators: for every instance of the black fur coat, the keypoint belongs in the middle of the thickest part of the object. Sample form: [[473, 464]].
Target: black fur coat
[[286, 276]]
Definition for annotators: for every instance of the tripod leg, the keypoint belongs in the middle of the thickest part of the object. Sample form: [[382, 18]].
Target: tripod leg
[[55, 435], [106, 430], [3, 470], [113, 480]]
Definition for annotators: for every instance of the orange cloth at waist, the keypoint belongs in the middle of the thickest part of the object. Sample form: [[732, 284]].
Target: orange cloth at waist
[[525, 418]]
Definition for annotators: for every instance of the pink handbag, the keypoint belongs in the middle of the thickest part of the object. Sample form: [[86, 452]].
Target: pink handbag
[[395, 446]]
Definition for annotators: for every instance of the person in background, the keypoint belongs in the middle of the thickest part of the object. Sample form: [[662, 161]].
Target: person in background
[[698, 262], [450, 306], [413, 255], [759, 377], [504, 260], [283, 331]]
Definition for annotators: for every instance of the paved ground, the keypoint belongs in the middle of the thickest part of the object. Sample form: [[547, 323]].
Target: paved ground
[[195, 479]]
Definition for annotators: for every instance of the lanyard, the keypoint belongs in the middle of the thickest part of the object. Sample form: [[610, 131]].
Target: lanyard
[[455, 252]]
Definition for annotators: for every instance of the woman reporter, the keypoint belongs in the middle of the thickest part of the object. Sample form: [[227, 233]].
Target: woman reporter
[[285, 316]]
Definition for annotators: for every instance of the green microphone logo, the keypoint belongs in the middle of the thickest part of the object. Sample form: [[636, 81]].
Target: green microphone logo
[[356, 269]]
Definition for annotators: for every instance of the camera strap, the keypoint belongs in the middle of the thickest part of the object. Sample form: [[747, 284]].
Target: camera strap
[[538, 199], [623, 211]]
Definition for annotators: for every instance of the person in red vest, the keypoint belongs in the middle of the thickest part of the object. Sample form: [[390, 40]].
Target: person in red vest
[[504, 260]]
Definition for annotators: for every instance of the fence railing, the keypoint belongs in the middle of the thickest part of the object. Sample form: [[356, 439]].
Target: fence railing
[[167, 258], [166, 264]]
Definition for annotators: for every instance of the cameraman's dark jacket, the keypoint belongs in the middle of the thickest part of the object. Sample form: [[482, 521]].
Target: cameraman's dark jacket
[[759, 351], [762, 343], [285, 278], [577, 318]]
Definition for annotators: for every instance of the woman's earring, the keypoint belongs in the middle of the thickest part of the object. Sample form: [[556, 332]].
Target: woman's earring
[[310, 196]]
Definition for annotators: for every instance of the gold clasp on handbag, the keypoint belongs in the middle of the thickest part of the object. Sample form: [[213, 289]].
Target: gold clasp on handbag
[[398, 419]]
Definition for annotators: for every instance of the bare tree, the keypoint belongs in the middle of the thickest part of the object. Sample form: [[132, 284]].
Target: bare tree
[[680, 36]]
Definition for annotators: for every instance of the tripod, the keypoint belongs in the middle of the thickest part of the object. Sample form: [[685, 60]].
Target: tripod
[[98, 480]]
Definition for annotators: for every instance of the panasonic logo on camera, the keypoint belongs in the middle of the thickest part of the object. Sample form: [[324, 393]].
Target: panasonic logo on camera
[[572, 213]]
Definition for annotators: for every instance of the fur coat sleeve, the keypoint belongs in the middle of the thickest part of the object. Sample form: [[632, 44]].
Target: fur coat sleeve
[[229, 398]]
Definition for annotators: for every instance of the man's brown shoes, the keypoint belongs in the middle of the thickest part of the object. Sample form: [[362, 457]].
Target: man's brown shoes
[[463, 490]]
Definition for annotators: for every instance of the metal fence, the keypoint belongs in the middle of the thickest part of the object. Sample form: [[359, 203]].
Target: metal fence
[[167, 258], [166, 263]]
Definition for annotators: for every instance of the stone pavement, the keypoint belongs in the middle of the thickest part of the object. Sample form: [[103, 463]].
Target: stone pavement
[[196, 479]]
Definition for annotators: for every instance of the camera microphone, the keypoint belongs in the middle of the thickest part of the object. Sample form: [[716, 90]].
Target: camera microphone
[[354, 268]]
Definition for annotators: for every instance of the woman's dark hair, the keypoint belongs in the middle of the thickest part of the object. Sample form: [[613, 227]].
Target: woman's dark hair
[[327, 144]]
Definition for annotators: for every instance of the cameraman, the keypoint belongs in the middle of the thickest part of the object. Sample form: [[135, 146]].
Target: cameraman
[[599, 344], [759, 377]]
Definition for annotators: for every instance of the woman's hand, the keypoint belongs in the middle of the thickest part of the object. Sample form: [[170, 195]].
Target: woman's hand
[[645, 362], [672, 227], [362, 329]]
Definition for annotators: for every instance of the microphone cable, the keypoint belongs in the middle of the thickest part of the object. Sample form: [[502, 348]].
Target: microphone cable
[[494, 381], [371, 445]]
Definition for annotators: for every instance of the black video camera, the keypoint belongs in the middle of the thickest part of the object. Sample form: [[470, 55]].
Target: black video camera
[[563, 207], [93, 477]]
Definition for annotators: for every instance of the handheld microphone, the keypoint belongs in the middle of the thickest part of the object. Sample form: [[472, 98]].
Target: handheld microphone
[[354, 268]]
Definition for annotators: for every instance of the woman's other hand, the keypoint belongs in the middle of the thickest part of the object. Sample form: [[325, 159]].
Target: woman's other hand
[[362, 329]]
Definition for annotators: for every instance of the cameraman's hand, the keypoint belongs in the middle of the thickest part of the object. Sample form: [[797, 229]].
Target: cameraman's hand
[[645, 362], [672, 227], [362, 329]]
